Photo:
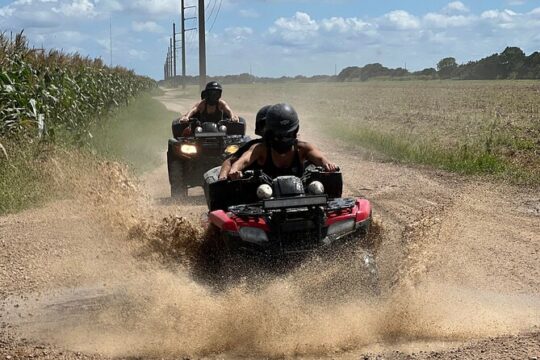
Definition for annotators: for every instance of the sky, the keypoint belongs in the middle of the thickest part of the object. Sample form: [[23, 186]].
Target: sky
[[279, 37]]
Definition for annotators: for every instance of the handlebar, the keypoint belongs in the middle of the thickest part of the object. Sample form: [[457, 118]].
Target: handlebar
[[259, 175]]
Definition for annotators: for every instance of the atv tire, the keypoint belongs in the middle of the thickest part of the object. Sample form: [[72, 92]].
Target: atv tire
[[176, 176]]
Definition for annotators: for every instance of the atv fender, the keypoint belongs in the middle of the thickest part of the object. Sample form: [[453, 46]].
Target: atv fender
[[220, 219], [364, 210]]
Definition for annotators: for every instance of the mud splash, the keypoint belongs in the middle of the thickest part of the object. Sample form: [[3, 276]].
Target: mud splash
[[163, 313]]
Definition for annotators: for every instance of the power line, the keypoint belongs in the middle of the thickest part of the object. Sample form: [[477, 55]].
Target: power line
[[219, 8], [211, 11]]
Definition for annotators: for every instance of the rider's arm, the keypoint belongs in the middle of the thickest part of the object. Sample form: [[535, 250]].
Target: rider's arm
[[226, 168], [227, 111], [317, 157], [197, 108], [227, 164], [248, 158]]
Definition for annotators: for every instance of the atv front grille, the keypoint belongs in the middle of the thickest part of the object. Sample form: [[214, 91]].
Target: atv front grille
[[300, 241]]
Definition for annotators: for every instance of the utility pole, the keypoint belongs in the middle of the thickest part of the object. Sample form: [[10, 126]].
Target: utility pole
[[174, 48], [202, 46], [169, 62], [183, 31], [170, 57]]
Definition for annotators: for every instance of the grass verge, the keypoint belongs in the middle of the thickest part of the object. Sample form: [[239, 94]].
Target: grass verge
[[468, 159], [136, 134]]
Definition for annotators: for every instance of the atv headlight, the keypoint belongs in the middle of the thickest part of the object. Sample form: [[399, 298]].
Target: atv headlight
[[231, 149], [253, 234], [188, 149], [316, 188], [341, 227], [264, 191]]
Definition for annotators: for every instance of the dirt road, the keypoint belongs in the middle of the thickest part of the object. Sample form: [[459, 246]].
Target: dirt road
[[458, 259]]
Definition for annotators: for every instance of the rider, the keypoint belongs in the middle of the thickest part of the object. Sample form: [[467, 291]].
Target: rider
[[281, 153], [260, 120], [211, 108]]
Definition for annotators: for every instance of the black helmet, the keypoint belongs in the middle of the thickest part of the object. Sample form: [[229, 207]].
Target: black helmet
[[282, 119], [211, 86], [260, 120]]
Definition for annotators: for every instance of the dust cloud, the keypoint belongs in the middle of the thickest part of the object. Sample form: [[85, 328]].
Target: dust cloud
[[166, 313]]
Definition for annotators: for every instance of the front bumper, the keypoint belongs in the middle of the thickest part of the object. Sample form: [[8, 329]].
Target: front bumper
[[295, 242]]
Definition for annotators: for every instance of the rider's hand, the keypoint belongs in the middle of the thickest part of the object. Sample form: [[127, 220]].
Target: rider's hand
[[184, 119], [235, 175], [330, 167], [235, 118], [222, 177]]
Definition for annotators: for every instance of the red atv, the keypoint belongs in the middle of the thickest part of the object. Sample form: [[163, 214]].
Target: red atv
[[285, 215]]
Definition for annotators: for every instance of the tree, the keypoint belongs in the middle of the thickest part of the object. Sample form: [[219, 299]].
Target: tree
[[511, 61], [447, 67]]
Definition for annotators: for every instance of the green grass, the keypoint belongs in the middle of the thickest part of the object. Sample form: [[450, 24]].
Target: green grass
[[136, 134], [23, 179], [462, 160]]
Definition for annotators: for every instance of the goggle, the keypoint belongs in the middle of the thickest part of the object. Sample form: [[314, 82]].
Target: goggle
[[284, 138]]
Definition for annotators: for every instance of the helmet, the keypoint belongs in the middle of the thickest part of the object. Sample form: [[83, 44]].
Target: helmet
[[211, 86], [281, 128], [260, 120], [282, 119]]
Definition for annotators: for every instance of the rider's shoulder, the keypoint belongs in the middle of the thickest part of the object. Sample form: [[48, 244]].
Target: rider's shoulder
[[304, 145]]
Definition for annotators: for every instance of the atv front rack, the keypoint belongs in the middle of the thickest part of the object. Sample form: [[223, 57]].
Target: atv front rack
[[259, 209]]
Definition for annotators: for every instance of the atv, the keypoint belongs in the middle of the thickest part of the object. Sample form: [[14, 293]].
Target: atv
[[196, 147], [286, 215]]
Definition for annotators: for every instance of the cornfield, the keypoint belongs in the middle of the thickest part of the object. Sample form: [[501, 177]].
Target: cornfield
[[44, 93]]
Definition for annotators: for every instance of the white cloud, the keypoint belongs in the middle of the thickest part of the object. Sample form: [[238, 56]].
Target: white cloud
[[300, 22], [155, 7], [297, 30], [535, 12], [435, 20], [146, 26], [456, 6], [107, 6], [345, 25], [77, 8], [401, 20], [238, 33], [504, 15], [7, 11]]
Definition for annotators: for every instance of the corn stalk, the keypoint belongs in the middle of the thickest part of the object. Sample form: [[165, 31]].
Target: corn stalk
[[58, 92]]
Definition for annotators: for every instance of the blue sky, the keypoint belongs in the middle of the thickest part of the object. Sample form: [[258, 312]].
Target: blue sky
[[281, 37]]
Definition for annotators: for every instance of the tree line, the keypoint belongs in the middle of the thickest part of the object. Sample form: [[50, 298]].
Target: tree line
[[512, 63]]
